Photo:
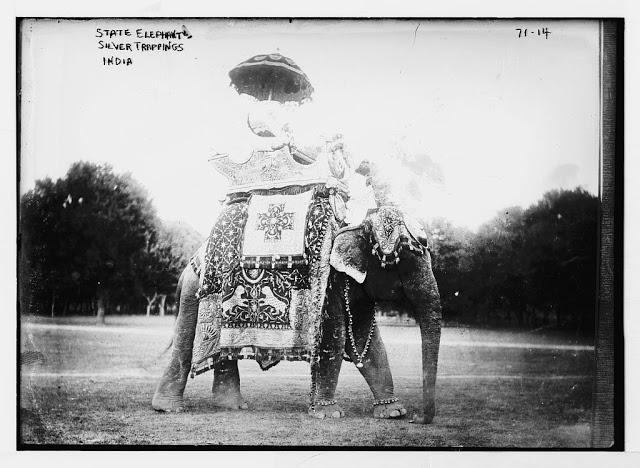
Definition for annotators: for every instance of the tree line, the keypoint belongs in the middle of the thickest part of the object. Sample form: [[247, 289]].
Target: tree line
[[528, 268], [92, 243]]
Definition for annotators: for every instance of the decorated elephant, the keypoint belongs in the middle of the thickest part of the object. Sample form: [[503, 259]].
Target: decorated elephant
[[383, 259], [263, 287]]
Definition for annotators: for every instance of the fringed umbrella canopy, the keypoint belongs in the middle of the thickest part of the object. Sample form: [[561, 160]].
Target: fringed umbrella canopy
[[271, 77]]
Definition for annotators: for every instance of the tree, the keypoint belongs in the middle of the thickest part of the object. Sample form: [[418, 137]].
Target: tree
[[184, 241], [82, 235], [39, 274], [523, 267], [449, 250], [538, 261], [163, 259], [496, 277], [561, 243]]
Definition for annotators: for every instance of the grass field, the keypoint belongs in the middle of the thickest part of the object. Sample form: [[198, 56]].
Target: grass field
[[93, 385]]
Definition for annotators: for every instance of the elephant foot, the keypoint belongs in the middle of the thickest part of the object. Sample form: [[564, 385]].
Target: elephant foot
[[326, 409], [229, 399], [391, 410], [168, 395], [167, 403]]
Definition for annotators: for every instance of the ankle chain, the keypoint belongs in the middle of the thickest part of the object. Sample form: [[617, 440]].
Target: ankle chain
[[385, 401], [324, 403]]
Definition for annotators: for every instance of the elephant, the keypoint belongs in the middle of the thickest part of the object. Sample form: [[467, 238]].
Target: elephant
[[377, 265], [360, 275]]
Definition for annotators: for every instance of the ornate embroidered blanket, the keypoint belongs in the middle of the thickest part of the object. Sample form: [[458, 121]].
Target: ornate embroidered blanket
[[255, 297], [275, 230]]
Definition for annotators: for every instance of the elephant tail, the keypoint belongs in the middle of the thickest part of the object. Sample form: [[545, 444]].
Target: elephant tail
[[167, 348]]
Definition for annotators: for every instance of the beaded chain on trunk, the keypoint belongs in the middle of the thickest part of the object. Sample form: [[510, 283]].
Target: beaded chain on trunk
[[263, 278]]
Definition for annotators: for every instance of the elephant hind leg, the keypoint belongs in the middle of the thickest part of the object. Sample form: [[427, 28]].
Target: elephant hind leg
[[168, 394], [226, 386]]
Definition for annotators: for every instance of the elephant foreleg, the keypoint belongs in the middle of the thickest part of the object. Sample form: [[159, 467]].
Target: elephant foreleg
[[325, 372], [226, 386], [375, 365], [168, 394]]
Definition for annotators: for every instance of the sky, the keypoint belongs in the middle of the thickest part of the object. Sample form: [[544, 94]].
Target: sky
[[501, 119]]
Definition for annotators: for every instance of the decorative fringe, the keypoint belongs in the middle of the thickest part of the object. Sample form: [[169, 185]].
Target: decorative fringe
[[273, 355], [278, 326], [273, 263]]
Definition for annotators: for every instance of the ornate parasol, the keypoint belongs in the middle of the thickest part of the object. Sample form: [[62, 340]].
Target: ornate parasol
[[271, 77]]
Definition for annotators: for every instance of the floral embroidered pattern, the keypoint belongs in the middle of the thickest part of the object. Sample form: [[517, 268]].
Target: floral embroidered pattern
[[260, 298], [316, 225], [223, 248], [274, 221]]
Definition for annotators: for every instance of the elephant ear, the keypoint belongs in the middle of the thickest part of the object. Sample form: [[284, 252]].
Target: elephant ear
[[349, 253]]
